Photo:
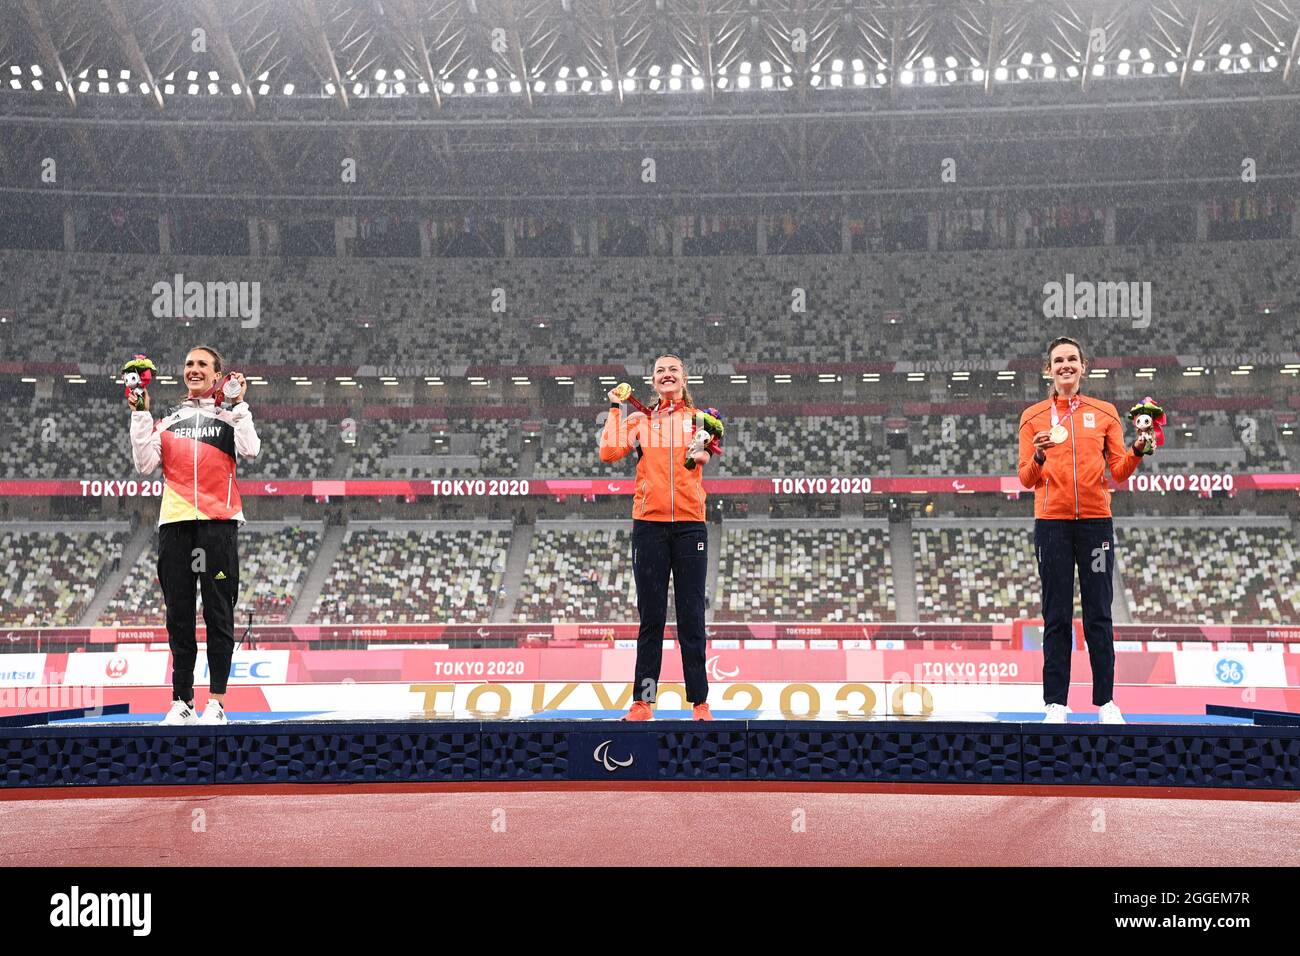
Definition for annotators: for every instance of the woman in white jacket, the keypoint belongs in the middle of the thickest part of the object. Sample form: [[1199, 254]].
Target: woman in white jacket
[[197, 445]]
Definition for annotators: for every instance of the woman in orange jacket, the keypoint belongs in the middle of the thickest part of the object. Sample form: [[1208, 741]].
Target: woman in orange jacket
[[1066, 442], [668, 531]]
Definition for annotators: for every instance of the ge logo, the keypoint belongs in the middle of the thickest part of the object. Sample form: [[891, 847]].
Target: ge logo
[[1229, 671]]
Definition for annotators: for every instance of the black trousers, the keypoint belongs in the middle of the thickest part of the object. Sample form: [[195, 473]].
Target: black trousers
[[206, 552], [1087, 544], [682, 549]]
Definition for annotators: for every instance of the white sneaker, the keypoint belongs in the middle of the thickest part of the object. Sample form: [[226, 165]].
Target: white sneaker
[[214, 713], [1056, 714], [1109, 714], [181, 714]]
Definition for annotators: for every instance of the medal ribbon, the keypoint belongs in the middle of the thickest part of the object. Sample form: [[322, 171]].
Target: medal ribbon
[[1057, 419]]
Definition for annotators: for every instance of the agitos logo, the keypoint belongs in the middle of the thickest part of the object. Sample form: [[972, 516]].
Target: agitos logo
[[716, 672], [601, 753]]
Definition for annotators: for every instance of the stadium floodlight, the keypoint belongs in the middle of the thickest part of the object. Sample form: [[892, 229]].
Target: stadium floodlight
[[1271, 63], [564, 72], [629, 84], [697, 83], [837, 65], [470, 87], [399, 89], [765, 66], [192, 75], [38, 85], [950, 62], [1225, 49], [1022, 73], [787, 81], [1148, 68], [423, 87], [906, 77], [1144, 53], [1047, 58], [83, 86], [950, 76], [742, 82], [448, 87], [1125, 53], [1122, 69], [124, 75], [1171, 66], [745, 68], [213, 89], [380, 73], [212, 75], [288, 89], [562, 86], [587, 85], [381, 89], [1225, 65], [359, 86], [234, 88], [674, 70], [1247, 49], [859, 79], [1026, 59], [101, 73], [1099, 69], [36, 70], [1245, 63], [539, 86], [123, 87], [1000, 74], [976, 75], [721, 83], [931, 76], [582, 71], [103, 87], [15, 83], [815, 81], [837, 79], [1049, 72]]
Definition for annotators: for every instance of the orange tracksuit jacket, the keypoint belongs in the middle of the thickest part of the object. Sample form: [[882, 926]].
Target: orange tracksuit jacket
[[666, 490], [1072, 483]]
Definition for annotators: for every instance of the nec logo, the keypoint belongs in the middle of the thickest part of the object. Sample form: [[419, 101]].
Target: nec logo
[[244, 670]]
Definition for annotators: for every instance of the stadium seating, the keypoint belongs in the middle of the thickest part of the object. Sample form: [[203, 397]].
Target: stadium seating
[[414, 577], [800, 573], [49, 578], [1217, 575]]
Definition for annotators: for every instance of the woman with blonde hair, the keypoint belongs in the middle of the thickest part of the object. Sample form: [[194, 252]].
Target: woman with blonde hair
[[668, 530]]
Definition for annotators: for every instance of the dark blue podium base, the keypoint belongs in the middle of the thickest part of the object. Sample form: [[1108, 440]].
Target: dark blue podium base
[[876, 751]]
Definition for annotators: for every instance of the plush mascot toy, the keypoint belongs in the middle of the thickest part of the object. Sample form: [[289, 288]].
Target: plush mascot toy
[[1149, 420], [136, 375]]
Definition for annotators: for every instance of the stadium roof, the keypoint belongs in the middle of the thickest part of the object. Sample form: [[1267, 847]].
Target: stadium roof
[[451, 99]]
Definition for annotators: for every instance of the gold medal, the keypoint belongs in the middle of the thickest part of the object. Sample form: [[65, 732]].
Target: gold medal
[[623, 391], [1059, 434]]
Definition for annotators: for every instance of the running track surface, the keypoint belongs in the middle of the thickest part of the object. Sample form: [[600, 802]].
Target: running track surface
[[681, 826]]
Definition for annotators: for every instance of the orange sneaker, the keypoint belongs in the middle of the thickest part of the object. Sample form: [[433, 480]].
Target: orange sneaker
[[640, 711], [701, 712]]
